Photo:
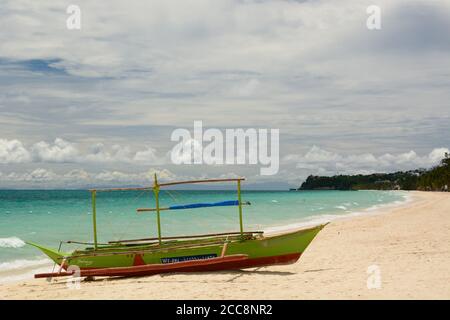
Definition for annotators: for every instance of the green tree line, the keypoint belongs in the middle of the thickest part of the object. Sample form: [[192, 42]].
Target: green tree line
[[434, 179]]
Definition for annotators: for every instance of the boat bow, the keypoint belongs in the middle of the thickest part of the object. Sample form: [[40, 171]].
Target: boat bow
[[56, 256]]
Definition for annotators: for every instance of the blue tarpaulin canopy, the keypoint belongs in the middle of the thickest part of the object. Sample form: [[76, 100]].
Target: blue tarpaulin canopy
[[198, 205], [206, 204]]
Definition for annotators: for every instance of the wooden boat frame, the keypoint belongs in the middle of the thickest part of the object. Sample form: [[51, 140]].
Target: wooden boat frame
[[156, 190]]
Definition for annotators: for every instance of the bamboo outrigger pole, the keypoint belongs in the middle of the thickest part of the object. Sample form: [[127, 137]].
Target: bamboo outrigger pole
[[156, 192], [94, 218]]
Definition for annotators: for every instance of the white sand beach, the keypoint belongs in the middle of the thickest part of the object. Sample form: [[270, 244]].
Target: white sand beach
[[402, 253]]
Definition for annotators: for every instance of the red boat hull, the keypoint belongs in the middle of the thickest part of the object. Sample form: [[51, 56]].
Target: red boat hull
[[238, 261], [256, 262]]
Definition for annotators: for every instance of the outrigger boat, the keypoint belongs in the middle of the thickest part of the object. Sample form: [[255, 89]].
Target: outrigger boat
[[194, 253]]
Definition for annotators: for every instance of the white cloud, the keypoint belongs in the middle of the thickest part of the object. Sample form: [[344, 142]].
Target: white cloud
[[62, 151], [100, 154], [146, 156], [59, 151], [437, 154], [322, 162], [97, 153], [112, 176], [145, 177], [117, 153], [82, 178], [77, 175], [163, 174], [37, 175], [13, 151]]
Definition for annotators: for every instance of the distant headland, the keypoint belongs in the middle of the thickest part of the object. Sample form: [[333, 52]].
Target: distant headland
[[434, 179]]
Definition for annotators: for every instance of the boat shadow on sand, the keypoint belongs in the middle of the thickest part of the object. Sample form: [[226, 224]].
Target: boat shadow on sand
[[167, 276]]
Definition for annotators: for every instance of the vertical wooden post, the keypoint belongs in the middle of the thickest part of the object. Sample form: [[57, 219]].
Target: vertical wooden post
[[240, 207], [94, 217], [156, 192]]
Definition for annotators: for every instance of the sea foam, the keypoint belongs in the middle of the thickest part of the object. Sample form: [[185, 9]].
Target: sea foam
[[12, 242], [22, 269], [22, 264]]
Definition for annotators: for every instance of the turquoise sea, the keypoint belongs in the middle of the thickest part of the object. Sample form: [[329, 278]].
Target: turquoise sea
[[48, 216]]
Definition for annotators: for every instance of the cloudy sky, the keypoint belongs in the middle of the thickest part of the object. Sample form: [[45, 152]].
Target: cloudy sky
[[97, 106]]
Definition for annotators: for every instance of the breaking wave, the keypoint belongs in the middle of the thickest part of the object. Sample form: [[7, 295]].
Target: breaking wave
[[12, 242]]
